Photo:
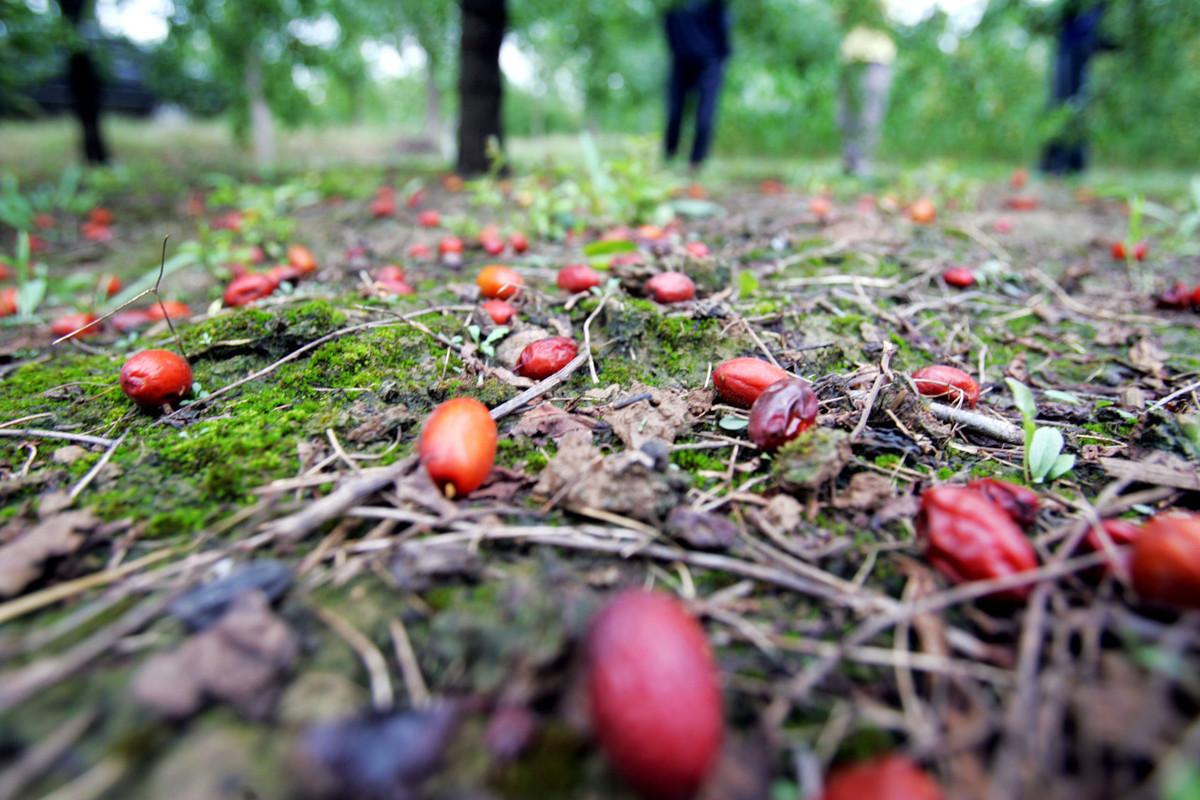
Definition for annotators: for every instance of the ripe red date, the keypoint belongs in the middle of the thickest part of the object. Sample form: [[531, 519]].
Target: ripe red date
[[1166, 560], [783, 411], [887, 777], [543, 358], [671, 287], [741, 380], [948, 382], [1019, 502]]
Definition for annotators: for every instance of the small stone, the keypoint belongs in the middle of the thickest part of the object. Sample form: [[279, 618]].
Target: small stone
[[69, 454]]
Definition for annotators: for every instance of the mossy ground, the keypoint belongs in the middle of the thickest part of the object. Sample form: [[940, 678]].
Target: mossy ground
[[518, 619]]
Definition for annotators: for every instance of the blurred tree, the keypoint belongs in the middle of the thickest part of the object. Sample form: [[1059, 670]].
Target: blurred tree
[[480, 87]]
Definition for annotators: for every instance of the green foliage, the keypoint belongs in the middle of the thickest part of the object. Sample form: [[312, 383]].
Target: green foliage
[[1044, 459]]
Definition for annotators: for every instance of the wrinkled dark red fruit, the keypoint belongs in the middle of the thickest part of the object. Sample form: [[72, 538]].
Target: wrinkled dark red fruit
[[948, 382], [70, 322], [391, 279], [284, 273], [1166, 560], [492, 245], [518, 242], [125, 321], [671, 287], [1121, 532], [969, 538], [654, 696], [1019, 502], [888, 777], [1177, 298], [500, 311], [169, 308], [959, 277], [740, 381], [543, 358], [577, 278], [153, 378], [458, 445], [783, 411], [245, 289]]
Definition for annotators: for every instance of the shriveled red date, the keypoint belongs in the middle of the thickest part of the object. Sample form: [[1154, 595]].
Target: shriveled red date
[[1019, 502], [783, 411], [969, 538], [948, 382]]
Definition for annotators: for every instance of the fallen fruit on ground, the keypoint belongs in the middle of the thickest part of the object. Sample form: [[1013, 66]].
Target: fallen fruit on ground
[[154, 378], [130, 320], [820, 207], [1021, 203], [959, 277], [518, 242], [1122, 250], [429, 219], [969, 538], [946, 382], [246, 289], [498, 282], [493, 246], [1177, 297], [923, 211], [698, 250], [577, 278], [1019, 502], [168, 308], [420, 251], [302, 259], [740, 381], [671, 287], [71, 322], [500, 311], [543, 358], [653, 693], [284, 273], [1121, 532], [783, 411], [8, 301], [1020, 177], [458, 445], [887, 777], [1166, 560], [393, 280], [110, 285]]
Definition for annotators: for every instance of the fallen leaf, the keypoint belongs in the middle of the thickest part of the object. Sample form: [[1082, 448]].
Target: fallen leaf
[[701, 529], [662, 416], [241, 660], [1148, 357], [811, 460], [21, 559], [502, 484], [69, 454], [381, 425], [867, 491], [547, 420]]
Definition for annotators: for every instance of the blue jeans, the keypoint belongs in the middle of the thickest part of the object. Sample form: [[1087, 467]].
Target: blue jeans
[[704, 79]]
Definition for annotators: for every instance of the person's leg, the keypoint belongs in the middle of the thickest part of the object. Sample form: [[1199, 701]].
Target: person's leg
[[709, 87], [850, 107], [676, 93], [877, 82], [1054, 157]]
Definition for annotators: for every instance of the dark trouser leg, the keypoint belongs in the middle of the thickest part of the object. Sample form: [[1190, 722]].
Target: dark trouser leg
[[1066, 153], [85, 86], [676, 94], [709, 85]]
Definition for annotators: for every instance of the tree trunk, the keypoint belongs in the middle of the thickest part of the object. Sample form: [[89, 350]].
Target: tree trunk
[[262, 126], [86, 88], [479, 83]]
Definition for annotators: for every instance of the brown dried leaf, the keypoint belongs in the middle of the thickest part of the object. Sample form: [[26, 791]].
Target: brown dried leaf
[[1146, 356], [701, 529], [58, 535], [547, 420], [660, 417], [241, 660]]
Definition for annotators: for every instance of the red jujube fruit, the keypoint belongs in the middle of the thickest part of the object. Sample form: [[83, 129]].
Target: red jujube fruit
[[888, 777], [449, 245], [519, 242], [8, 301], [70, 322], [969, 538], [153, 378], [429, 219], [783, 411], [923, 211], [577, 278], [949, 382], [543, 358], [500, 311], [110, 285], [653, 692], [1177, 297], [959, 277], [492, 245], [1166, 560], [125, 321], [498, 282], [741, 380], [245, 289], [302, 259], [1019, 502], [168, 308], [458, 445], [671, 287]]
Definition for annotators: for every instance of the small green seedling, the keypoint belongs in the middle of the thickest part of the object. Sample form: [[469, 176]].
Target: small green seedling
[[1044, 458]]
